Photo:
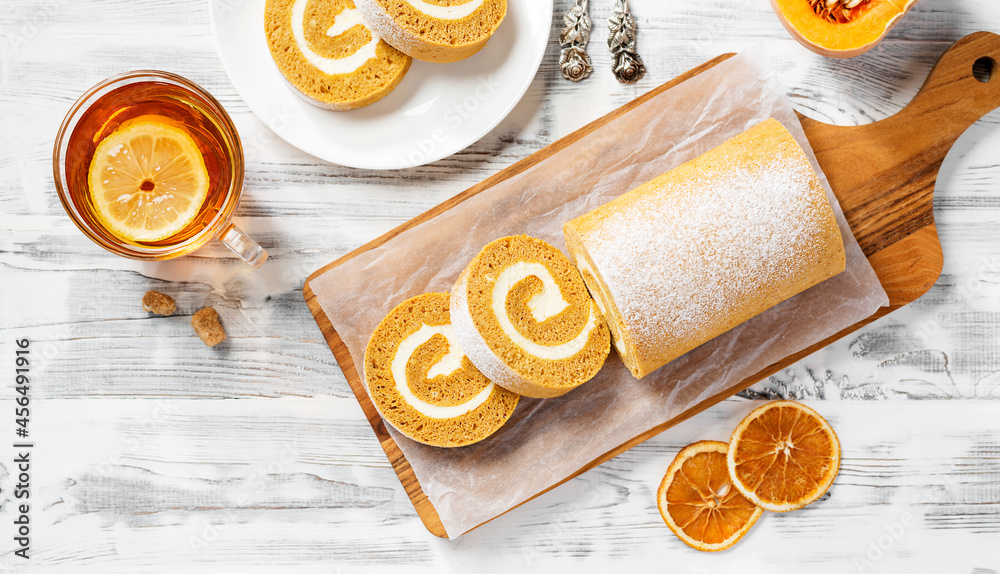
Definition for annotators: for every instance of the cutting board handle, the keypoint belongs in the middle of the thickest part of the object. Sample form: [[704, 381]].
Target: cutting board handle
[[887, 170], [953, 98]]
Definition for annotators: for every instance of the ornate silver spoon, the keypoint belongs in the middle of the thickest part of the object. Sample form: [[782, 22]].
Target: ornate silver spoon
[[574, 63], [627, 65]]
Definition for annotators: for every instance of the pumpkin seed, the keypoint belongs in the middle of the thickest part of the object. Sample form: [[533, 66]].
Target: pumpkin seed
[[838, 11]]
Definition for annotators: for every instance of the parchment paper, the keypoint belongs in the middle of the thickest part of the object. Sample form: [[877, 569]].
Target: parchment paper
[[547, 440]]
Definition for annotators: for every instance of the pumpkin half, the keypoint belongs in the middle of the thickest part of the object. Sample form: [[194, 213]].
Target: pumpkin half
[[829, 28]]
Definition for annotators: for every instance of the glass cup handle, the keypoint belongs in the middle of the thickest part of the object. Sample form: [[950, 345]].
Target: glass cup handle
[[241, 244]]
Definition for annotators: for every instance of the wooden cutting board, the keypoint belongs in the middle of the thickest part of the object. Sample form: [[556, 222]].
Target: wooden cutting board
[[883, 175]]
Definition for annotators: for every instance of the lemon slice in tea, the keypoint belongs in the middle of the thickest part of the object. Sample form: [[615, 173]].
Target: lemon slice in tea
[[147, 180]]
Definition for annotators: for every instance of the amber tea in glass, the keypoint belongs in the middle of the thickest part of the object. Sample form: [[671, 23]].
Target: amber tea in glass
[[187, 123]]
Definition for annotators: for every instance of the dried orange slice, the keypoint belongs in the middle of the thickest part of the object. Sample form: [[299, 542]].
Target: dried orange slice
[[783, 456], [699, 503], [147, 180]]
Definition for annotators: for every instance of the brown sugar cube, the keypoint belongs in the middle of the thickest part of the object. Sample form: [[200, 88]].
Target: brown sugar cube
[[206, 324], [159, 303]]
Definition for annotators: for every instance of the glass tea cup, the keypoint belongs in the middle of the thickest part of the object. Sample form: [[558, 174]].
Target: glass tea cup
[[154, 122]]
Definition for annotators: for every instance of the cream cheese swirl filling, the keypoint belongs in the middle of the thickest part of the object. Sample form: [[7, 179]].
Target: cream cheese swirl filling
[[344, 21], [445, 12], [448, 364], [544, 305]]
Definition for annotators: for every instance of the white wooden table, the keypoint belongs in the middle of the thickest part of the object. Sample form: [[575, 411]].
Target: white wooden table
[[155, 453]]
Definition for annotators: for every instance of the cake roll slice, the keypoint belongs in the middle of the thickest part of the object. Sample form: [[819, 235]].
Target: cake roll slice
[[329, 55], [421, 382], [435, 30], [525, 319], [706, 246]]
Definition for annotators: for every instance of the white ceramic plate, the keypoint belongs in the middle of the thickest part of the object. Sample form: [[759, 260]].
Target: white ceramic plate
[[437, 109]]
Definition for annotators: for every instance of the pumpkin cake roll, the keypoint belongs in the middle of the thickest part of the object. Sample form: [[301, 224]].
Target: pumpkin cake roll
[[435, 30], [702, 248], [523, 315], [327, 52], [421, 382]]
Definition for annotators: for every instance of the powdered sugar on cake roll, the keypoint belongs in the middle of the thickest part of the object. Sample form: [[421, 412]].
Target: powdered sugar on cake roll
[[709, 245], [382, 23]]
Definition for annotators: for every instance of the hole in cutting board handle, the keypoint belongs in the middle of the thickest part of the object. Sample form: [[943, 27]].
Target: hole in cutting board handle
[[984, 68]]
